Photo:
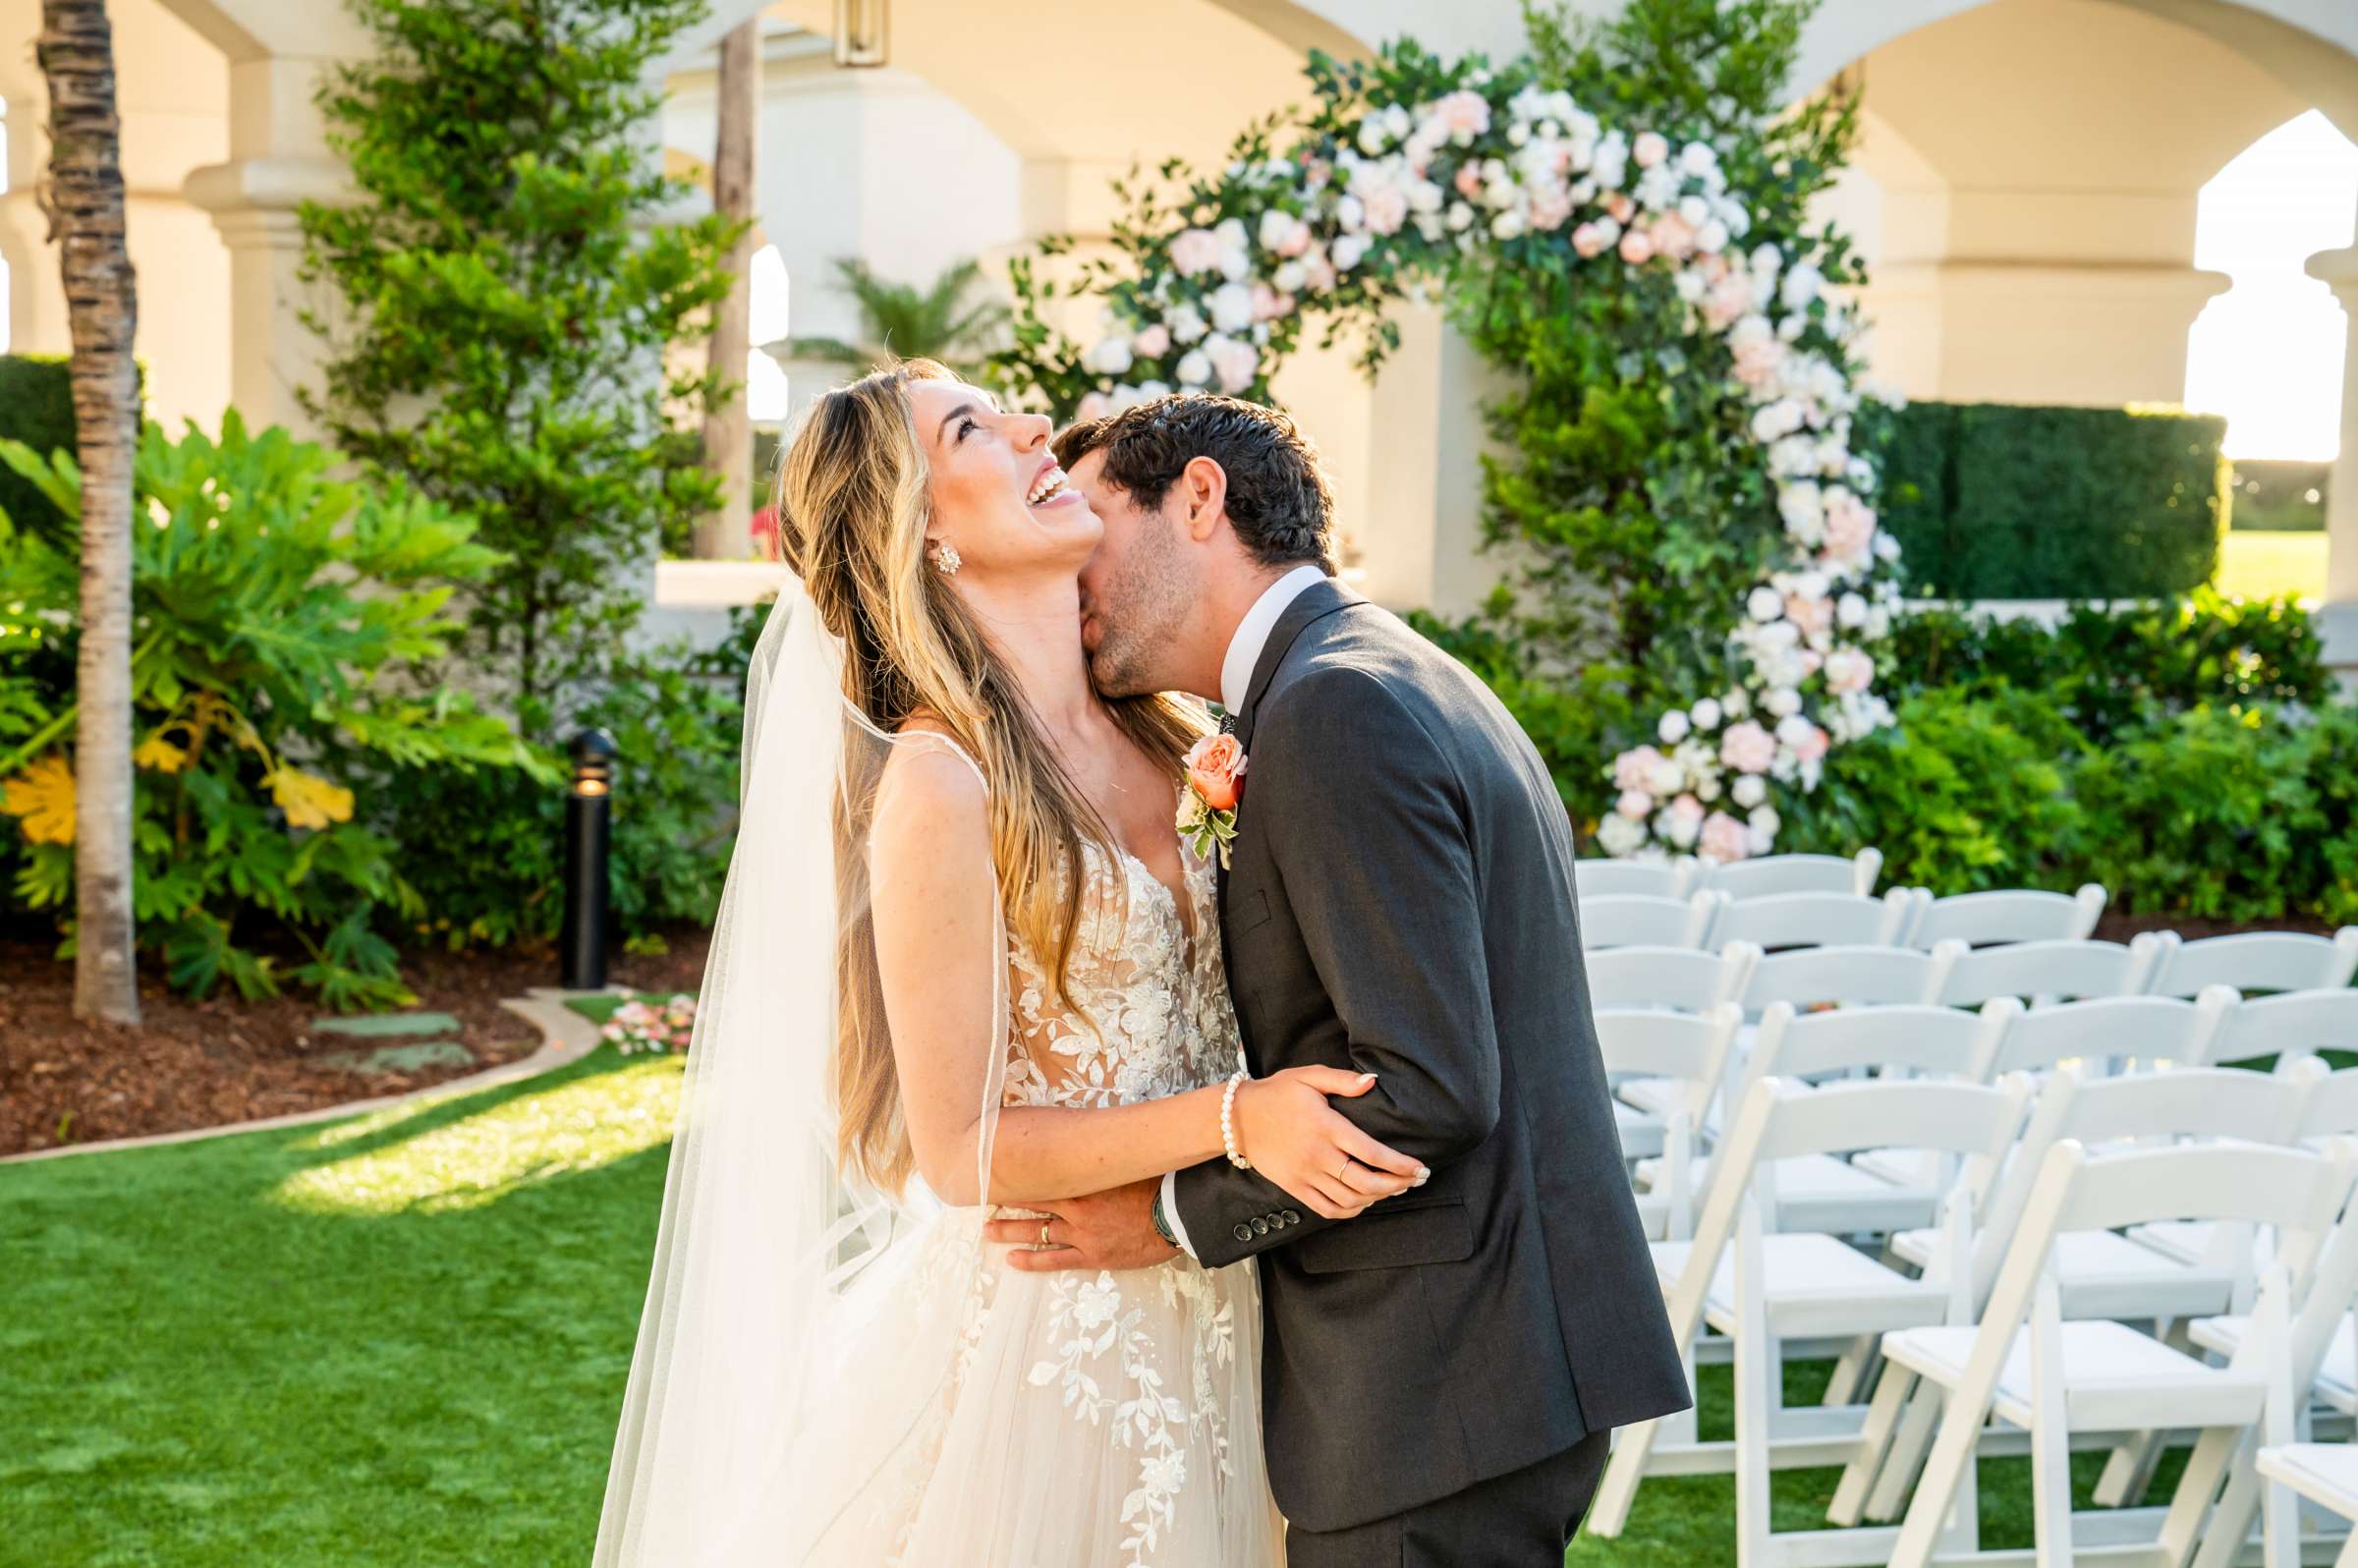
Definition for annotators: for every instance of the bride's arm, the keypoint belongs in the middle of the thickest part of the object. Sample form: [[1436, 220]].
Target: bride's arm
[[933, 897]]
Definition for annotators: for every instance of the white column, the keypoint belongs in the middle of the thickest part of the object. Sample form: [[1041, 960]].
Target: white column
[[2338, 620], [278, 159]]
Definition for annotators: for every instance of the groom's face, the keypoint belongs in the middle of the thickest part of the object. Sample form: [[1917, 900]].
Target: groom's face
[[1137, 589]]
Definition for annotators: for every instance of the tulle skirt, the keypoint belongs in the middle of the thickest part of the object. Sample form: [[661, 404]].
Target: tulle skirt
[[1081, 1421]]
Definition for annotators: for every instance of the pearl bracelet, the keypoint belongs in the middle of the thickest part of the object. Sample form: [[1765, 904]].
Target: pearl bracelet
[[1228, 1121]]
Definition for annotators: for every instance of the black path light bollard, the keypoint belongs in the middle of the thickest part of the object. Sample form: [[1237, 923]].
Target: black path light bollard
[[589, 825]]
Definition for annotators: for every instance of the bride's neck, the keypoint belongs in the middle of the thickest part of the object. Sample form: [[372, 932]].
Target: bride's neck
[[1036, 626]]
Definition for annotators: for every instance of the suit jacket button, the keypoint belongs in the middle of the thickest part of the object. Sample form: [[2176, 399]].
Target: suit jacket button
[[1241, 1233], [1291, 1218], [1261, 1225]]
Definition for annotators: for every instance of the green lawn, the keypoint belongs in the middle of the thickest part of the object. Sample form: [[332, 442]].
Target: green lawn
[[401, 1338]]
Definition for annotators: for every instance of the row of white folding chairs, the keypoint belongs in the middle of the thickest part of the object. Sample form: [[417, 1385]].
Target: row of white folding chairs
[[1759, 1288], [1674, 1071], [1904, 917], [2155, 964], [1740, 879]]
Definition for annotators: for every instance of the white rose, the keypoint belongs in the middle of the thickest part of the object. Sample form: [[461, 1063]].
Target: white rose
[[1347, 250], [1236, 264], [1425, 196], [1764, 604], [1801, 286], [1749, 789], [1231, 307], [1618, 836], [1668, 778], [1766, 257], [1706, 714], [1674, 727], [1350, 213], [1736, 703], [1461, 217], [1289, 278], [1698, 158], [1506, 226], [1694, 211], [1108, 356], [1711, 238], [1782, 702], [1851, 611], [1231, 233], [1186, 323], [1195, 368]]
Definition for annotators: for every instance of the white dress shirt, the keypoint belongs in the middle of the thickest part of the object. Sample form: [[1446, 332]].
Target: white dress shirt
[[1245, 646]]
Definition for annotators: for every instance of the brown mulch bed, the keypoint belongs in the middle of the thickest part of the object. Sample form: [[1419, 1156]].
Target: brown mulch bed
[[194, 1064]]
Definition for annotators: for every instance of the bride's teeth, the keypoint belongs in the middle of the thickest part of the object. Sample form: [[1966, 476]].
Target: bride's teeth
[[1050, 483]]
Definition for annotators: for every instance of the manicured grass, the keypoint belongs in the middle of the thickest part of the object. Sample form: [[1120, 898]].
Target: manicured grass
[[2254, 565], [401, 1338]]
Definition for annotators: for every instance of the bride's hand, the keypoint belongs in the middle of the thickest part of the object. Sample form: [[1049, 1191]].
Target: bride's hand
[[1292, 1136]]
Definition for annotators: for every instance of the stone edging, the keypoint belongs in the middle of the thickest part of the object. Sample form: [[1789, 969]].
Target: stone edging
[[566, 1037]]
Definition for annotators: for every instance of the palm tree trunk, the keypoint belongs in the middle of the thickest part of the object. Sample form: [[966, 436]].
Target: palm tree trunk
[[85, 198], [727, 534]]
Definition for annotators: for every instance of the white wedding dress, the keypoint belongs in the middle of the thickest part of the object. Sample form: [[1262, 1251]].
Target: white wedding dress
[[1092, 1419]]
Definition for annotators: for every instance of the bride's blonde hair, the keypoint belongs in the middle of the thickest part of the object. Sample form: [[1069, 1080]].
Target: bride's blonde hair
[[853, 506]]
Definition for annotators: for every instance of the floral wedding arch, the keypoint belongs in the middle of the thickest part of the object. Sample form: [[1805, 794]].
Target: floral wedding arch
[[1408, 167]]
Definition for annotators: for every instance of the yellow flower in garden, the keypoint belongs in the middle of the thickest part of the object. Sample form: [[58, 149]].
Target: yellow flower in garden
[[159, 754], [309, 800], [44, 795]]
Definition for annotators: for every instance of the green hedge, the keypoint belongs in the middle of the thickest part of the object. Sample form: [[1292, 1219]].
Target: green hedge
[[37, 408], [1991, 501]]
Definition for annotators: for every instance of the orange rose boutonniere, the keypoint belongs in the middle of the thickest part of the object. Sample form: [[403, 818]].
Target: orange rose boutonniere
[[1214, 782]]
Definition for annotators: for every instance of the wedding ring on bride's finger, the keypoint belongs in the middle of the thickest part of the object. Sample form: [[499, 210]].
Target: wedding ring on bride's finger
[[1044, 1232]]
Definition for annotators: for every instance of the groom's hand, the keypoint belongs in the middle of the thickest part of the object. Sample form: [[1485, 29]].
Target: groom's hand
[[1105, 1230]]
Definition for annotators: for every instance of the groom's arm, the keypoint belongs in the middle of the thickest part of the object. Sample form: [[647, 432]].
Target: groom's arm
[[1369, 824]]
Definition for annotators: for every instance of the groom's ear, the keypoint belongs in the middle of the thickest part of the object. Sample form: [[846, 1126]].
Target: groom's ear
[[1202, 496]]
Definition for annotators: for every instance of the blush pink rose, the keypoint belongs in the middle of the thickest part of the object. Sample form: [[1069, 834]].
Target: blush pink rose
[[1849, 526], [1634, 769], [1814, 617], [1388, 208], [1747, 748], [1589, 240], [1811, 745], [1722, 839], [1634, 804], [1728, 301], [1195, 251], [1467, 181], [1549, 208], [1094, 406], [1849, 670], [1651, 149], [1672, 236], [1636, 249], [1216, 767], [1620, 206], [1152, 343], [1463, 114]]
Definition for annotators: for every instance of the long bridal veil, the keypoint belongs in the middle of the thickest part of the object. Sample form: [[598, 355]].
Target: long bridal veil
[[801, 1327]]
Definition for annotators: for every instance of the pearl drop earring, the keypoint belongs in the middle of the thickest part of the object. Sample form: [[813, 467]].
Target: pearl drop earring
[[945, 559]]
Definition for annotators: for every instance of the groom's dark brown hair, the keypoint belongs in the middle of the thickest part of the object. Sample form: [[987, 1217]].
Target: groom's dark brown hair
[[1278, 499]]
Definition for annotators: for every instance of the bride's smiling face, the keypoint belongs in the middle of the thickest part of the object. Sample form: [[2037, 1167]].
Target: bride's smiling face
[[997, 496]]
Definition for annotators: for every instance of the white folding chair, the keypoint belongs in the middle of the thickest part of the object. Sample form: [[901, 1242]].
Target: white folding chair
[[1838, 1197], [2030, 1369], [1607, 879], [1685, 1048], [2288, 1026], [1641, 920], [2327, 1474], [1819, 920], [2015, 915], [2039, 972], [1796, 874], [1687, 978], [2098, 1029], [1848, 975], [1761, 1285], [2254, 961]]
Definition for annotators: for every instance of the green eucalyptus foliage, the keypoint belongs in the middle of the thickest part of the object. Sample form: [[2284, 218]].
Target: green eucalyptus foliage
[[289, 629], [510, 298]]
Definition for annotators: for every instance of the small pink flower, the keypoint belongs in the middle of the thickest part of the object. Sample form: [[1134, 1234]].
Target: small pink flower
[[1722, 839], [1729, 299], [1671, 235], [1849, 670], [1651, 149], [1388, 208], [1814, 617], [1620, 206], [1636, 249], [1634, 804], [1589, 240], [1747, 748], [1216, 770], [1152, 343], [1809, 746], [1234, 361], [1551, 207], [1687, 807], [1463, 114], [1094, 406], [1467, 181], [1849, 526]]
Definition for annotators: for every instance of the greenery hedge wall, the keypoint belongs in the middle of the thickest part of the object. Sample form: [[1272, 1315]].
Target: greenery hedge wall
[[1993, 501], [37, 408]]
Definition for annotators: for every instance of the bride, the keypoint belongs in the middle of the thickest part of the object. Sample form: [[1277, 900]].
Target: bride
[[963, 963]]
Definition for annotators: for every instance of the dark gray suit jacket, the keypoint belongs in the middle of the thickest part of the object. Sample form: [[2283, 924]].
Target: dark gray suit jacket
[[1402, 902]]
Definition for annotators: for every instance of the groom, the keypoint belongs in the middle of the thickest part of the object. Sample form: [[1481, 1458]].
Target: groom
[[1443, 1372]]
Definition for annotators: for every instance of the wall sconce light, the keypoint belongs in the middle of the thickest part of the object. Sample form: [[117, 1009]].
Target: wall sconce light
[[863, 33]]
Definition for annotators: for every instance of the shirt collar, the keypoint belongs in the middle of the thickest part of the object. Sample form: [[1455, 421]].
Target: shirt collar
[[1252, 632]]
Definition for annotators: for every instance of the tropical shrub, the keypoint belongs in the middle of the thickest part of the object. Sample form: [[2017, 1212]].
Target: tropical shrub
[[37, 408], [1993, 501], [941, 320], [289, 626]]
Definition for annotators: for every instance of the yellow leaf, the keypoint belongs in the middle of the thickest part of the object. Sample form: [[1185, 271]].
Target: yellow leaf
[[44, 795], [159, 754], [309, 800]]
